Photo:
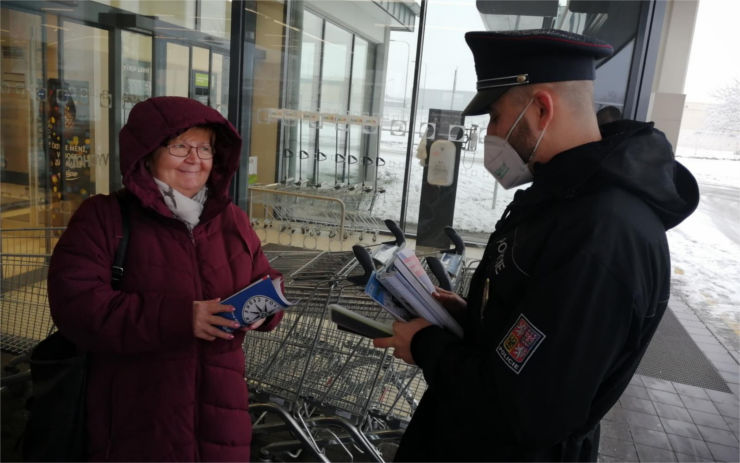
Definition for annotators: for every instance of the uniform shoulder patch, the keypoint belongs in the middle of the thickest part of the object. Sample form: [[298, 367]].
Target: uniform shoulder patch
[[517, 347]]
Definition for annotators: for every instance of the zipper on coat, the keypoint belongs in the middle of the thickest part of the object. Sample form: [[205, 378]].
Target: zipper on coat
[[198, 363]]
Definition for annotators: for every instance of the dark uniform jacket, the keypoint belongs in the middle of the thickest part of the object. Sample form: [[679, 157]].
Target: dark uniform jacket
[[577, 275]]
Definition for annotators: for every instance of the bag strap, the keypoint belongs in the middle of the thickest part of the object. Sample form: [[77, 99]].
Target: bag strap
[[117, 267]]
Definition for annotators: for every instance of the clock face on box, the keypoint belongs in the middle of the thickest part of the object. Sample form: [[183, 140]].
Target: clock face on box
[[258, 307]]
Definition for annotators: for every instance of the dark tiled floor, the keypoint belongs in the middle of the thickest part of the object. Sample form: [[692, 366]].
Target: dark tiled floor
[[657, 420]]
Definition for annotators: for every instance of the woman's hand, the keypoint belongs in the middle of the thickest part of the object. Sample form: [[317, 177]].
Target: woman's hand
[[254, 325], [205, 320], [455, 305]]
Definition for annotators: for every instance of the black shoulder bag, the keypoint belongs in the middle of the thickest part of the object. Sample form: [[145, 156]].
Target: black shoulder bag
[[57, 424]]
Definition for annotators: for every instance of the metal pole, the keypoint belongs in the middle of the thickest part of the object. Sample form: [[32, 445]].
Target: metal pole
[[454, 88], [412, 115]]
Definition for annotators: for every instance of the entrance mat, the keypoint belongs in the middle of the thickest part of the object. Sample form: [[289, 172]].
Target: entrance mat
[[673, 356]]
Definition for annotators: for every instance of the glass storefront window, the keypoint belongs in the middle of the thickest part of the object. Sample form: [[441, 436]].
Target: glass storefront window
[[136, 70], [178, 63], [220, 83], [84, 74], [326, 92], [59, 146], [180, 13]]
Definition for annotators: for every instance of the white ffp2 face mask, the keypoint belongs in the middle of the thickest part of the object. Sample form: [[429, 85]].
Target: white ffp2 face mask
[[502, 160]]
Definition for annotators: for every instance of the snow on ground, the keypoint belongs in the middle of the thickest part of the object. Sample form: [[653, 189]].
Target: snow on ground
[[705, 248]]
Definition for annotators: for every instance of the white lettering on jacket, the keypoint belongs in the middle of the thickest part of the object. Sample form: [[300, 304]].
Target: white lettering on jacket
[[501, 249]]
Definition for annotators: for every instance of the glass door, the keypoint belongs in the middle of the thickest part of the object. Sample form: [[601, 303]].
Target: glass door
[[78, 105], [136, 70], [23, 191]]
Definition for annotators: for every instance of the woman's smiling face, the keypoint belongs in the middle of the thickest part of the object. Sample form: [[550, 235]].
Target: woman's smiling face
[[185, 174]]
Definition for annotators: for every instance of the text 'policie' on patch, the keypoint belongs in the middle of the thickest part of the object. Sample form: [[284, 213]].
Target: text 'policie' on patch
[[516, 348]]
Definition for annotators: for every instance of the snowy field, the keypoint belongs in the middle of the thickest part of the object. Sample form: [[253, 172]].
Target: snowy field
[[705, 248]]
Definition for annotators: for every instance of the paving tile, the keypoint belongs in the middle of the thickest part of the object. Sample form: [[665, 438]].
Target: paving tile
[[726, 364], [650, 437], [724, 453], [608, 459], [615, 429], [703, 339], [704, 405], [690, 391], [729, 377], [636, 390], [719, 396], [672, 411], [620, 449], [708, 419], [731, 409], [718, 436], [647, 453], [637, 404], [685, 458], [644, 420], [696, 448], [734, 424], [690, 322], [637, 380], [710, 348], [659, 384], [617, 413], [665, 397], [730, 374], [681, 428]]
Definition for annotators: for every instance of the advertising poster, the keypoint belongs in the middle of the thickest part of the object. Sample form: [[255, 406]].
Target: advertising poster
[[69, 143], [54, 126]]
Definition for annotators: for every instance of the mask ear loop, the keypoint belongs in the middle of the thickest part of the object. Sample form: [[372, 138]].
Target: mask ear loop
[[536, 145], [519, 118]]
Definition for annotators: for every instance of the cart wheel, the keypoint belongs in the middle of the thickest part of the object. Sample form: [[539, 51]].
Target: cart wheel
[[261, 234], [283, 241], [332, 245]]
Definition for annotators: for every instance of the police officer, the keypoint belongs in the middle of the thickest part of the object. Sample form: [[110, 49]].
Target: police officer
[[575, 277]]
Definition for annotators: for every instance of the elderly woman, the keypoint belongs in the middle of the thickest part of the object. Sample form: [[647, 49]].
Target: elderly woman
[[165, 381]]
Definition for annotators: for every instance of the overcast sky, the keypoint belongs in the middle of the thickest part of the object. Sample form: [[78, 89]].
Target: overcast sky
[[711, 65], [714, 57]]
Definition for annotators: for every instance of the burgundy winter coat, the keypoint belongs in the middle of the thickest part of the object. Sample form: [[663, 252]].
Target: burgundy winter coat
[[155, 392]]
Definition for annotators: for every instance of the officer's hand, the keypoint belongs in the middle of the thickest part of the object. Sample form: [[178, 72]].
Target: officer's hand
[[403, 332], [206, 322], [451, 301]]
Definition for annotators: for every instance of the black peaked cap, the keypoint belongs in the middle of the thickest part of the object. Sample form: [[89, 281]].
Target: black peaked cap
[[511, 58]]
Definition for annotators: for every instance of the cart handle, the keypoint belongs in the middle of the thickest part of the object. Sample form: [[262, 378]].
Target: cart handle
[[438, 270]]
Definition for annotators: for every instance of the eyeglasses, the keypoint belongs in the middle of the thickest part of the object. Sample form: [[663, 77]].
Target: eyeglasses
[[181, 150]]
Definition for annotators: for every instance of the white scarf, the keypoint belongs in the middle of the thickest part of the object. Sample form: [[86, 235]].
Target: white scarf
[[186, 209]]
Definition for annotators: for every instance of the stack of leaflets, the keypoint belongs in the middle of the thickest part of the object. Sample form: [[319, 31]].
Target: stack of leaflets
[[260, 299], [404, 289]]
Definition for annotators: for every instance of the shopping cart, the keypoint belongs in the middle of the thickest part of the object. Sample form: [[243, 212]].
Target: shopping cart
[[298, 216], [341, 390], [24, 311]]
